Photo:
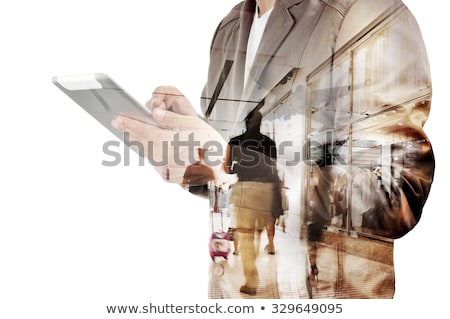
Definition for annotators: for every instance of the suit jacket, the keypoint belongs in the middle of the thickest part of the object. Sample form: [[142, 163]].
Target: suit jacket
[[340, 74]]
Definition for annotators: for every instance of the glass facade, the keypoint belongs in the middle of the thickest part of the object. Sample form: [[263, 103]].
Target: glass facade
[[364, 104]]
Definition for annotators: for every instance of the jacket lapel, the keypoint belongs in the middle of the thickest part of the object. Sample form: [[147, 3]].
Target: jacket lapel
[[278, 26], [246, 18]]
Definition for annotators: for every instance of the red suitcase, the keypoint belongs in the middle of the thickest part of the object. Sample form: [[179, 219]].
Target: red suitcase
[[219, 244]]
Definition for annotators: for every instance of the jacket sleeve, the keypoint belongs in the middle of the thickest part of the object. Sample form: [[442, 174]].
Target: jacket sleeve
[[382, 112]]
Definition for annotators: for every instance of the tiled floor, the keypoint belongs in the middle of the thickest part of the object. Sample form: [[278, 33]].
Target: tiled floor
[[285, 274], [280, 274]]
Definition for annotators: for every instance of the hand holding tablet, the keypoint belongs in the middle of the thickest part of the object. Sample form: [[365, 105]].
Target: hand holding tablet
[[170, 139]]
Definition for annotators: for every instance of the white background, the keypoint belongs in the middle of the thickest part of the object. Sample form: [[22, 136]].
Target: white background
[[76, 236]]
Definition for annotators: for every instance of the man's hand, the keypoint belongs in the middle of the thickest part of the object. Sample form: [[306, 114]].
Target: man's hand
[[174, 143], [171, 99]]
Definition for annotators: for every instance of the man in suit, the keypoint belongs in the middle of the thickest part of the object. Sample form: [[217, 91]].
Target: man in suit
[[334, 77]]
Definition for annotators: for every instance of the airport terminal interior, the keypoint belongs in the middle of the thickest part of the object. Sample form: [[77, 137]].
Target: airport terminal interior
[[364, 137], [361, 272]]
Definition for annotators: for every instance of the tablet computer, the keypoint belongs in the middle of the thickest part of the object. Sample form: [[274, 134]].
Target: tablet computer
[[100, 96]]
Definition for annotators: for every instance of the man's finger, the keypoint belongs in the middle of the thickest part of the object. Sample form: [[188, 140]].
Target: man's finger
[[168, 119]]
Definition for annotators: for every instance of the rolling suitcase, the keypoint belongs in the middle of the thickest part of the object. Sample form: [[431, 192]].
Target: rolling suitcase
[[219, 243]]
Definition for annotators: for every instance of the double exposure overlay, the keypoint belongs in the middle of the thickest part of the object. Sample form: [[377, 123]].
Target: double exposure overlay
[[343, 90]]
